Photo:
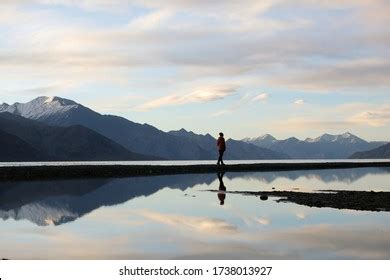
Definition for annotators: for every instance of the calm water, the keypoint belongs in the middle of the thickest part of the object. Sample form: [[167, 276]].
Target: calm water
[[169, 217]]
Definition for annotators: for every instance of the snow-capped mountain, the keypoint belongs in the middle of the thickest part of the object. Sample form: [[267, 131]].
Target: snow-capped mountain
[[40, 108], [40, 214], [326, 146], [345, 138], [265, 140]]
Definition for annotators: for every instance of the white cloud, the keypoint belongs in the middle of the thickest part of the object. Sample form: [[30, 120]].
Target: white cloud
[[203, 225], [263, 221], [262, 97], [375, 117], [300, 216], [203, 39], [199, 95], [244, 100], [151, 20], [299, 102]]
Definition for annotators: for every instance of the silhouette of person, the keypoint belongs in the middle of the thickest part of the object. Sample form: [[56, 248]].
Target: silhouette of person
[[222, 189], [221, 148]]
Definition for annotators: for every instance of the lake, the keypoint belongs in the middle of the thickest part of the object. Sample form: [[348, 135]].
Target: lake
[[186, 217]]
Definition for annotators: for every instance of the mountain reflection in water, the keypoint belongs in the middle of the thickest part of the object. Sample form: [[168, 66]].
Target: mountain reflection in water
[[57, 202], [166, 217]]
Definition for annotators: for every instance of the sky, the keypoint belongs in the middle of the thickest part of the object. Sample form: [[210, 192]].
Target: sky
[[288, 68]]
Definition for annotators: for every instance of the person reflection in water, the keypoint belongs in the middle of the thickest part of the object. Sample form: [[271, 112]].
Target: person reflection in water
[[222, 189], [221, 148]]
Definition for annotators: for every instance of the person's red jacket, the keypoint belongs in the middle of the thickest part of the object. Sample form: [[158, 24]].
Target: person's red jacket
[[221, 144]]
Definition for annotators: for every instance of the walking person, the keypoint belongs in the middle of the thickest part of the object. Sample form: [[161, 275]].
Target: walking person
[[221, 148]]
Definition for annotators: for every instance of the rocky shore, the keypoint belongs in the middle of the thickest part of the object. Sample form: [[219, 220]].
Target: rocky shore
[[339, 199]]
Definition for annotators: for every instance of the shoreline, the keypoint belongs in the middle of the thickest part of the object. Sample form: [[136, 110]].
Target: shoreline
[[8, 173], [376, 201]]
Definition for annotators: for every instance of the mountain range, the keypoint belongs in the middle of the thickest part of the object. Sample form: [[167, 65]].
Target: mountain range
[[326, 146], [54, 128], [141, 141]]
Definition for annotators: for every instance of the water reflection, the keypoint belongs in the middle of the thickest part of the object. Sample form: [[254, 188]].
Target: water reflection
[[58, 202], [221, 189], [326, 175], [172, 217]]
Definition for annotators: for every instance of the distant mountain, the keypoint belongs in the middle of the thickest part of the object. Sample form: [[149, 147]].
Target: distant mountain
[[140, 138], [326, 146], [42, 142], [235, 149], [377, 153], [346, 139]]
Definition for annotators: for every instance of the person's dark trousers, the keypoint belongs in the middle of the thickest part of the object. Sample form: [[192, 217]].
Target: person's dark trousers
[[220, 160]]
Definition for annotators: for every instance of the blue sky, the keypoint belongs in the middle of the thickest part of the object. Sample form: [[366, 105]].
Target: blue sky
[[288, 68]]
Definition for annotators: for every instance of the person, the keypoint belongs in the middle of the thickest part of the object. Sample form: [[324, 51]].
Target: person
[[221, 189], [221, 148]]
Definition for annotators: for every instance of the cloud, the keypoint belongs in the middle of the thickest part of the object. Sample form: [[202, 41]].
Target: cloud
[[352, 74], [300, 216], [346, 117], [199, 95], [263, 221], [40, 90], [299, 102], [203, 225], [203, 39], [245, 100], [262, 97], [89, 5], [346, 241], [376, 117], [151, 20]]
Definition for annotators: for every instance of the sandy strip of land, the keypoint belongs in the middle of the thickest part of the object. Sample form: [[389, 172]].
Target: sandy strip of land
[[84, 171]]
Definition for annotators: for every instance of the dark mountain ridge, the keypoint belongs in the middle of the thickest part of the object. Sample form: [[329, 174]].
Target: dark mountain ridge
[[381, 152], [43, 142]]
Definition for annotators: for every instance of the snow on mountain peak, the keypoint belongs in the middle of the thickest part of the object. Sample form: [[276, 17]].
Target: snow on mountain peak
[[266, 137], [346, 135], [39, 213], [49, 99], [42, 106], [3, 107]]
